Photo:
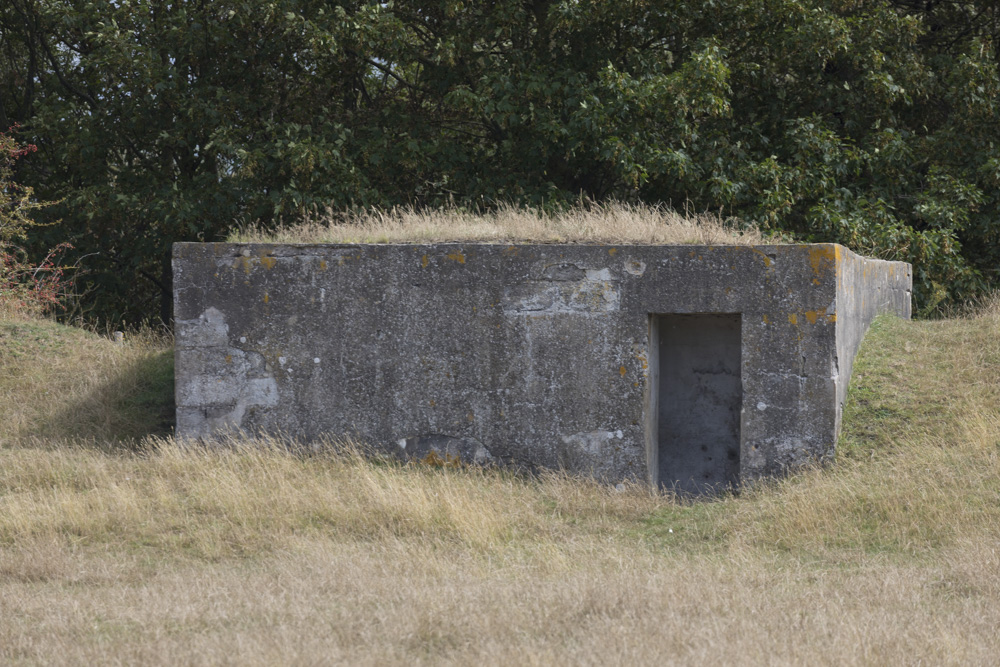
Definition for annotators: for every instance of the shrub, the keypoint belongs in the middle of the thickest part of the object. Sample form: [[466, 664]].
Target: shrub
[[33, 287]]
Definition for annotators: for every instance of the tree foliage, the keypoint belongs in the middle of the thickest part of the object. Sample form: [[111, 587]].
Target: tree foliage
[[867, 122]]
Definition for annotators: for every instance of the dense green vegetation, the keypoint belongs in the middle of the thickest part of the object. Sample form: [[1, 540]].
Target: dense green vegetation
[[872, 123]]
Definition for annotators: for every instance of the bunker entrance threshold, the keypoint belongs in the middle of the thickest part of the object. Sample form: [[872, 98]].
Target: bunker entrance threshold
[[696, 399]]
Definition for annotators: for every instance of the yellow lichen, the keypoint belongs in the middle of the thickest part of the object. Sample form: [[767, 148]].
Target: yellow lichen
[[822, 256], [767, 260], [432, 458]]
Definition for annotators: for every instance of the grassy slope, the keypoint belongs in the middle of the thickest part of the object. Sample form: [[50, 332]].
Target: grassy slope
[[63, 382], [164, 555]]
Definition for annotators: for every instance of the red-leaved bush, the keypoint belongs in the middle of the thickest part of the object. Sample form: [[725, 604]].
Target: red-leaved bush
[[24, 285]]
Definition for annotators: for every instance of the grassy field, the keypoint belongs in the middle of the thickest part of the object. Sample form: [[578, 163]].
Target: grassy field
[[116, 546]]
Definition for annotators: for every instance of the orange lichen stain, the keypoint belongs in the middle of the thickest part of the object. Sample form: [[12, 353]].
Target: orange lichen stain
[[424, 262], [433, 403], [434, 460], [767, 320], [322, 264], [268, 262], [822, 256], [612, 251], [622, 371], [244, 262], [266, 297], [767, 260], [229, 358], [816, 315], [470, 417], [793, 318], [635, 384], [815, 281], [510, 250], [456, 257]]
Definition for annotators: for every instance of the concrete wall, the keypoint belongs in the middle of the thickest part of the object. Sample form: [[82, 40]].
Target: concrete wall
[[537, 355], [866, 288]]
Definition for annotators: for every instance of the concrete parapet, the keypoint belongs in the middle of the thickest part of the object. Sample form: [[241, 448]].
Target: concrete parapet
[[688, 366]]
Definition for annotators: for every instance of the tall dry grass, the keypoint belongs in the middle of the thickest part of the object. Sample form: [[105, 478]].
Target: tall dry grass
[[244, 554], [618, 223]]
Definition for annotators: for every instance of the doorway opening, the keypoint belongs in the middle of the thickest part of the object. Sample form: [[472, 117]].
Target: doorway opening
[[697, 400]]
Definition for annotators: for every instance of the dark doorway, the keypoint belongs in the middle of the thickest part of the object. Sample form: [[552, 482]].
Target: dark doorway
[[698, 401]]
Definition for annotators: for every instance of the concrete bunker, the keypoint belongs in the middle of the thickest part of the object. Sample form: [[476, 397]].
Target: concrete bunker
[[690, 367]]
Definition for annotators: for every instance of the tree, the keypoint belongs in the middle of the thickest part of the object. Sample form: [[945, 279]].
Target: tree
[[867, 122]]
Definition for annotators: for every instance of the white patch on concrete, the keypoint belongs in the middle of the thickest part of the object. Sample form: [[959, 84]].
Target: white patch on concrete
[[762, 406], [619, 434], [596, 293], [243, 339], [595, 275], [315, 360], [219, 398], [590, 442], [635, 267], [282, 360], [482, 456], [207, 330], [402, 443]]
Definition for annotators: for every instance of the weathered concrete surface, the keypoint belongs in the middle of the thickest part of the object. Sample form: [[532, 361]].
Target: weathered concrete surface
[[538, 355]]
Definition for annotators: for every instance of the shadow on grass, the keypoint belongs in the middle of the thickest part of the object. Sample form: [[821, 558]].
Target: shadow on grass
[[133, 401]]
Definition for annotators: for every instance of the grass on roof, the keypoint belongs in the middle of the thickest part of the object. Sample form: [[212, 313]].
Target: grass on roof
[[616, 223]]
